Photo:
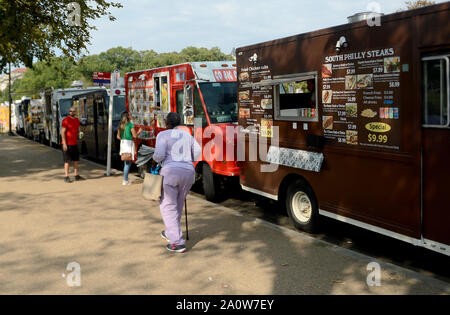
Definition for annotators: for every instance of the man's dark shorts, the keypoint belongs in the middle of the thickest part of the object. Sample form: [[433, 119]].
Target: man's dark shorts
[[72, 154]]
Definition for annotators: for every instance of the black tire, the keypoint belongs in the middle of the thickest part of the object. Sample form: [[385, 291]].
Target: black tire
[[302, 207], [83, 148], [210, 184]]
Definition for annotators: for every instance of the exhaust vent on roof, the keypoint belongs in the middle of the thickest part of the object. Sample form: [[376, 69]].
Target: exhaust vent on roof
[[362, 16]]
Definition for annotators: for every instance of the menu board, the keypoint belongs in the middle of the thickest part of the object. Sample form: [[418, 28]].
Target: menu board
[[256, 102], [141, 105], [361, 98]]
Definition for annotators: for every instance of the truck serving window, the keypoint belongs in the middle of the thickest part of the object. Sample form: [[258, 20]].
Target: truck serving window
[[296, 98], [436, 103], [221, 101]]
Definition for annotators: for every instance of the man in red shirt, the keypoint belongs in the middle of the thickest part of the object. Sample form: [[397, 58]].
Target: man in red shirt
[[69, 134]]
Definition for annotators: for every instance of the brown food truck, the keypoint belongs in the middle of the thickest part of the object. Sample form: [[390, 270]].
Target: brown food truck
[[362, 118]]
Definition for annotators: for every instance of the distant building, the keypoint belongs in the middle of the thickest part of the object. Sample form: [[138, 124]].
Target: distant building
[[15, 75]]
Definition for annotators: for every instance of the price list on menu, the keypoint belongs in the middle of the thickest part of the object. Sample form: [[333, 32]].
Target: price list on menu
[[361, 98], [256, 103]]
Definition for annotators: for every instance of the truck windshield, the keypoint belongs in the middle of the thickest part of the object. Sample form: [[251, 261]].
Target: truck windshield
[[64, 106], [221, 101], [119, 106]]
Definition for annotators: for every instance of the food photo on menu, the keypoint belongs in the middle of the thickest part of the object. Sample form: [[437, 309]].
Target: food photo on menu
[[351, 137], [327, 96], [391, 64], [350, 82], [244, 112], [327, 70], [351, 110], [368, 113], [327, 122], [243, 77], [244, 95], [266, 103], [364, 81]]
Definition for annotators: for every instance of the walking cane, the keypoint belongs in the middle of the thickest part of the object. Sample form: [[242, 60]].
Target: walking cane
[[185, 214]]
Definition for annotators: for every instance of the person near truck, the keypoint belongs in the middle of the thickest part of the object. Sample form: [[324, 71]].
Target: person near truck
[[69, 134], [176, 150], [126, 133]]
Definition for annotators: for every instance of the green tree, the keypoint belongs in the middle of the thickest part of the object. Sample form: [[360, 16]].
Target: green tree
[[39, 29], [410, 5], [57, 73], [125, 59], [60, 72]]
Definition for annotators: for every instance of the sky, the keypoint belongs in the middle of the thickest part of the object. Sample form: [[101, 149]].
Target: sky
[[172, 25]]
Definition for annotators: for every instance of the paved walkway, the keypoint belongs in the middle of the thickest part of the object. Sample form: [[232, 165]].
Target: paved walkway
[[113, 234]]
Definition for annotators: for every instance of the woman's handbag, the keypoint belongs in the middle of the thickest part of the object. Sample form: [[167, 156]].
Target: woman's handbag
[[126, 157], [151, 189]]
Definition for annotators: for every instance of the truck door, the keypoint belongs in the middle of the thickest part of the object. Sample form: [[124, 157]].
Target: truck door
[[90, 135], [179, 96], [184, 104], [102, 127], [436, 152]]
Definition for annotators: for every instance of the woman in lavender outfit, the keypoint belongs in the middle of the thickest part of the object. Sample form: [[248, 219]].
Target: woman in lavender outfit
[[176, 150]]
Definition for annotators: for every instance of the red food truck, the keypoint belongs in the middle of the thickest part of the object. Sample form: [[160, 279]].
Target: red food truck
[[199, 91], [357, 123]]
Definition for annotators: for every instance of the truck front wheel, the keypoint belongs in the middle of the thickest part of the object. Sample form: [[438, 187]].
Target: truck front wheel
[[210, 184], [302, 206]]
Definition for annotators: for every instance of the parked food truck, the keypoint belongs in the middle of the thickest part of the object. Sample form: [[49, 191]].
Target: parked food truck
[[18, 117], [57, 104], [33, 118], [357, 123], [93, 109], [205, 91]]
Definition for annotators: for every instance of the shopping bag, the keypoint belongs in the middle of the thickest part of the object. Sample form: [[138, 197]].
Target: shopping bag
[[151, 189]]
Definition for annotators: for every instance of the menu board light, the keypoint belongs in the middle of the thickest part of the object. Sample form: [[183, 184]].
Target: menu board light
[[342, 42]]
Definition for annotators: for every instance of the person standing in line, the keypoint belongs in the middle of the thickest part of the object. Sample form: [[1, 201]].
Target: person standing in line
[[126, 133], [69, 134], [176, 150]]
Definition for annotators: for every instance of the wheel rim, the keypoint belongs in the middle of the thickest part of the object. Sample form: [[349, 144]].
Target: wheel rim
[[301, 206]]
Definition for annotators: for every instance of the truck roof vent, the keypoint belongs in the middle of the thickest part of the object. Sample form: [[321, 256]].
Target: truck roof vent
[[363, 16], [77, 84]]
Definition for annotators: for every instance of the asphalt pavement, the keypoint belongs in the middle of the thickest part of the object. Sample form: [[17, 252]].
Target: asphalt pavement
[[99, 237]]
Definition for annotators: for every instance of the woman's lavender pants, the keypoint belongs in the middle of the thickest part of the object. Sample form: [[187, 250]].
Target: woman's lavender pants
[[177, 182]]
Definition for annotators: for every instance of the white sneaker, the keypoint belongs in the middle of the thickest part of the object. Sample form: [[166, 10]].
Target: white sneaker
[[126, 183]]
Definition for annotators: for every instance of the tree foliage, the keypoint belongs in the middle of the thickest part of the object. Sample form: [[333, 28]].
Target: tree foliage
[[38, 29], [410, 5], [60, 72]]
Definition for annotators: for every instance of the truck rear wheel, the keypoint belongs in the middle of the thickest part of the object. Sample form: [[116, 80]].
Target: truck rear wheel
[[210, 184], [302, 207]]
